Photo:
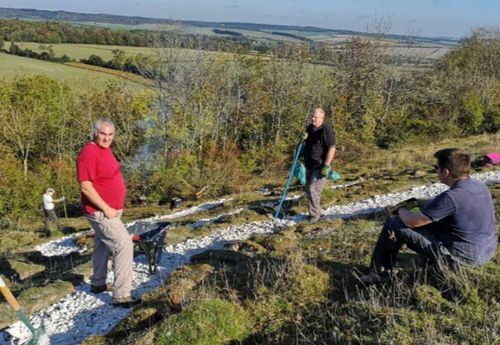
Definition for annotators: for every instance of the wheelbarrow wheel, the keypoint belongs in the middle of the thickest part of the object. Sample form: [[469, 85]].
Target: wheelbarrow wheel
[[155, 260]]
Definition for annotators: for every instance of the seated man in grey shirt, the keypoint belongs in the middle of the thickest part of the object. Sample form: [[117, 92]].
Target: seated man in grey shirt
[[458, 225]]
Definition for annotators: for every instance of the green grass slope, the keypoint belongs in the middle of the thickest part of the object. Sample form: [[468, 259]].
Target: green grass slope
[[11, 65], [83, 51]]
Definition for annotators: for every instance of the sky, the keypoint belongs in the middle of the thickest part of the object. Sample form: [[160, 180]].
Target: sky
[[451, 18]]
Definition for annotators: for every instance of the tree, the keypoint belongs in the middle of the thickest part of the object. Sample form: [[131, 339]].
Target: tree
[[94, 60], [26, 104], [14, 48], [127, 109], [362, 79], [118, 59], [459, 94]]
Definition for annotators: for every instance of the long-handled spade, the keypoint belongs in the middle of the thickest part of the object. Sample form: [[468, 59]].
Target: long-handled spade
[[290, 175], [38, 334]]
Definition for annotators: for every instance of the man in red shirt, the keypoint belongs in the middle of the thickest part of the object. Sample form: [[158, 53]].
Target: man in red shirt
[[103, 198]]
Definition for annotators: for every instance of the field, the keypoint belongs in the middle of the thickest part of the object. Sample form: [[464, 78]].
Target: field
[[83, 51], [11, 65], [402, 46]]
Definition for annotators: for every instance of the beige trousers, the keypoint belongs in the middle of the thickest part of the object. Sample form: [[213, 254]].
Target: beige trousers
[[314, 186], [112, 239]]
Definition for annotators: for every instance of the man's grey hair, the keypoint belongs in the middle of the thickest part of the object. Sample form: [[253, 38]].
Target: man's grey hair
[[97, 126], [319, 110]]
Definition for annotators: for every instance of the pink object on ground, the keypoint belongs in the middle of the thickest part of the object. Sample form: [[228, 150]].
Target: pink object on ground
[[492, 158]]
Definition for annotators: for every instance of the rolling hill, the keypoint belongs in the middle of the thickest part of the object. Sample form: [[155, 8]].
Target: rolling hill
[[250, 30]]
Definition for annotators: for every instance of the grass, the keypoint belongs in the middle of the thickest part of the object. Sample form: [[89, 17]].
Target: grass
[[124, 75], [11, 65], [75, 71], [206, 322], [83, 51], [82, 74]]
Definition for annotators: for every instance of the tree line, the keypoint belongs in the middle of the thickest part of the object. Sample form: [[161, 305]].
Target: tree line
[[46, 55], [221, 121], [46, 32]]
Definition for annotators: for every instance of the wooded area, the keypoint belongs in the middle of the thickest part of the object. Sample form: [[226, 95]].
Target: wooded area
[[221, 122], [14, 30]]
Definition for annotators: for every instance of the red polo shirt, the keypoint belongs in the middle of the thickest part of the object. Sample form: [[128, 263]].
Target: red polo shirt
[[99, 166]]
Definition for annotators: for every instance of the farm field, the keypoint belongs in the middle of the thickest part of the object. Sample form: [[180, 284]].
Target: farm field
[[264, 34], [83, 51], [11, 65], [421, 51]]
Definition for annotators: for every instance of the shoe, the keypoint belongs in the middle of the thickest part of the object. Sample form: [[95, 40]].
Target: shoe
[[44, 233], [312, 219], [125, 302], [101, 288], [374, 278]]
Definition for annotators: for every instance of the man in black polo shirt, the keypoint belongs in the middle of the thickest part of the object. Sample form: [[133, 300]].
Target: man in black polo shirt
[[318, 155], [457, 226]]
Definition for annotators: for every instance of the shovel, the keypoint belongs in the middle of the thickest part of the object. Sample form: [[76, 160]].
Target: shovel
[[38, 334], [290, 175]]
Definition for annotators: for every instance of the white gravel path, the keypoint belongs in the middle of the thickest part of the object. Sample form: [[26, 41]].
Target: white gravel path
[[185, 212], [81, 313], [66, 244]]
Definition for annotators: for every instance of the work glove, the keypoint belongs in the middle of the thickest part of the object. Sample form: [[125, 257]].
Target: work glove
[[325, 170], [411, 204], [63, 198], [304, 136]]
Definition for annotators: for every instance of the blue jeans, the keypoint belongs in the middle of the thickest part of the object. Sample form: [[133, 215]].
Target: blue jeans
[[421, 240]]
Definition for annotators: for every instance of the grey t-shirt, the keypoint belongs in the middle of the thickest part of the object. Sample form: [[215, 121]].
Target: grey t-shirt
[[465, 217]]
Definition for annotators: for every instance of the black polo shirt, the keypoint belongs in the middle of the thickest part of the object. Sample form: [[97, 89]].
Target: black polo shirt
[[318, 141]]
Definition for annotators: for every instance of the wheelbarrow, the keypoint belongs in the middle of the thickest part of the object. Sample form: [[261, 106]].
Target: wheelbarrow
[[148, 238]]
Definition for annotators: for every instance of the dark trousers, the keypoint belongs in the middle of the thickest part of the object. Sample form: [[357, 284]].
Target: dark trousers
[[421, 240]]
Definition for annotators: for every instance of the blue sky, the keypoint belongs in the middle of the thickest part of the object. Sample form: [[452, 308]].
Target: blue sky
[[422, 17]]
